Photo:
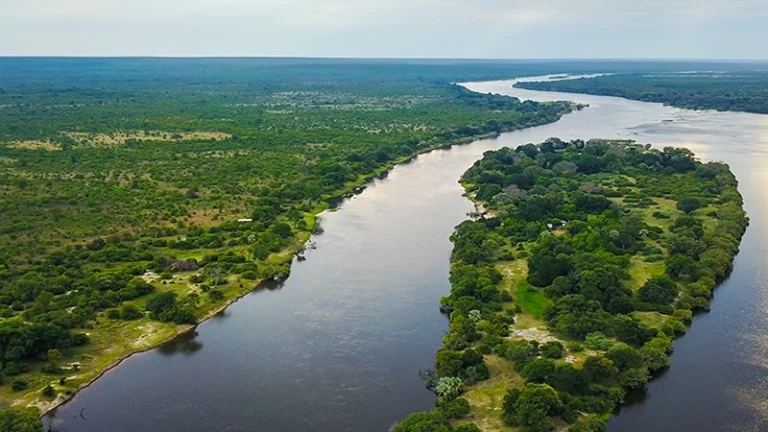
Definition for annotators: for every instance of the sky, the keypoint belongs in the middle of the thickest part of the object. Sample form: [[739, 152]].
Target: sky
[[697, 29]]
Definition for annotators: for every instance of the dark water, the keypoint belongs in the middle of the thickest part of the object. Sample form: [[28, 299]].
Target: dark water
[[339, 345]]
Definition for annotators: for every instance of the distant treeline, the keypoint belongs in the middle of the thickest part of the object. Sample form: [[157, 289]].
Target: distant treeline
[[732, 91]]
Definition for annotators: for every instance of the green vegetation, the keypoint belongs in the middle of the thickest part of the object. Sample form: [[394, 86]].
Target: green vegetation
[[613, 283], [531, 300], [724, 91], [139, 197]]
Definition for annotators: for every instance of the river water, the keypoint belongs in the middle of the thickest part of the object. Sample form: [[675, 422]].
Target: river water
[[338, 346]]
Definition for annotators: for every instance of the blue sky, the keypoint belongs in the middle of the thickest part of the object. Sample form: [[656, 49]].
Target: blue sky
[[727, 29]]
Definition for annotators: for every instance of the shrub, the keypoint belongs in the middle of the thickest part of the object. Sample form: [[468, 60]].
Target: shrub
[[49, 392], [19, 384], [598, 341], [456, 409], [552, 350], [688, 205], [15, 368], [250, 275], [130, 312], [113, 314]]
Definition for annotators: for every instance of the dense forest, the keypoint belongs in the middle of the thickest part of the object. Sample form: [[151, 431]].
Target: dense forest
[[140, 196], [584, 263], [731, 91]]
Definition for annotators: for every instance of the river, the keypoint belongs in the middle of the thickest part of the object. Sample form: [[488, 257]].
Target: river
[[338, 346]]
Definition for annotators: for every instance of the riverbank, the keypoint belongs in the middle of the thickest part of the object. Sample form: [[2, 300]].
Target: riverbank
[[104, 355]]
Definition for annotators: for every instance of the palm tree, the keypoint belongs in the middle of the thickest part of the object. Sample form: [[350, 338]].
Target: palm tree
[[449, 387]]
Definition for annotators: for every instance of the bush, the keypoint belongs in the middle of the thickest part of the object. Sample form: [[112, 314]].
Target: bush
[[49, 392], [423, 422], [50, 368], [130, 312], [455, 409], [15, 368], [19, 384], [250, 275], [215, 294], [598, 341], [588, 425], [552, 350], [113, 314], [688, 205], [470, 427]]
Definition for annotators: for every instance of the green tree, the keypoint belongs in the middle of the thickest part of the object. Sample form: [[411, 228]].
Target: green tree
[[588, 425], [18, 419], [423, 422], [659, 290], [536, 406], [688, 205]]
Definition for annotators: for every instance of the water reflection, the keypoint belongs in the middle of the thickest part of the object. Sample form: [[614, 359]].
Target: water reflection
[[186, 344]]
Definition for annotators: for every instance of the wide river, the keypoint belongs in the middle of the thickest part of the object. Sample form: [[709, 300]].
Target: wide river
[[339, 345]]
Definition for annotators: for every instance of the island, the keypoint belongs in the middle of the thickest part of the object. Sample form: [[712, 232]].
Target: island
[[583, 263]]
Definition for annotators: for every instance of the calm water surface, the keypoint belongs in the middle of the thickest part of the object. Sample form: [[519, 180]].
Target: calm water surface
[[338, 346]]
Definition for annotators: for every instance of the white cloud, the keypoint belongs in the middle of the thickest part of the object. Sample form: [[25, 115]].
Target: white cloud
[[436, 28]]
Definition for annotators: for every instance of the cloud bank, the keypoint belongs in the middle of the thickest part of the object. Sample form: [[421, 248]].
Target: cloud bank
[[730, 29]]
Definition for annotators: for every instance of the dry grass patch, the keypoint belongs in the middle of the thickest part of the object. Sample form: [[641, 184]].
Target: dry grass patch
[[117, 138], [486, 397], [34, 145]]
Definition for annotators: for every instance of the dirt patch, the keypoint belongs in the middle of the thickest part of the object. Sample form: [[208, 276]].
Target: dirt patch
[[534, 333]]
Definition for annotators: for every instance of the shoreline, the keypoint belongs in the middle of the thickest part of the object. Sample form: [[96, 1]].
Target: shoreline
[[326, 202]]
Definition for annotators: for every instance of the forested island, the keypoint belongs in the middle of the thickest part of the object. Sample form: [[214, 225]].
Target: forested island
[[139, 197], [722, 91], [585, 261]]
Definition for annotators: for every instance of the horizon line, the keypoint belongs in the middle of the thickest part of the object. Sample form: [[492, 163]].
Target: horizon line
[[289, 57]]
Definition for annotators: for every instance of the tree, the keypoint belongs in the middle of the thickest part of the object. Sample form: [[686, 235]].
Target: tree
[[688, 205], [449, 388], [536, 406], [18, 419], [569, 379], [552, 350], [130, 312], [634, 378], [53, 355], [538, 371], [658, 290], [455, 409], [161, 302], [423, 422], [599, 368], [624, 357], [449, 363], [49, 392]]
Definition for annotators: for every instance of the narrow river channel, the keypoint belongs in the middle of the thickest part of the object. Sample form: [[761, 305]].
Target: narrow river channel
[[338, 346]]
